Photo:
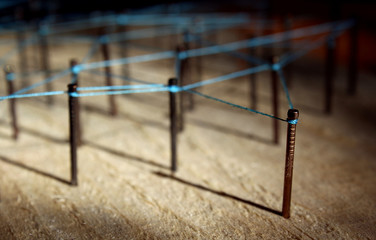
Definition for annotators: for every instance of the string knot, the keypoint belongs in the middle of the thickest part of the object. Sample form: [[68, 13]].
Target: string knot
[[73, 94], [10, 76], [182, 55], [174, 88], [276, 66], [76, 69], [292, 121], [104, 39]]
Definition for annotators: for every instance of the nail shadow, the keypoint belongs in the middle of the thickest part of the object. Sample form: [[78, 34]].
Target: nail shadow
[[37, 171], [43, 135], [219, 193], [97, 110], [124, 155], [230, 131]]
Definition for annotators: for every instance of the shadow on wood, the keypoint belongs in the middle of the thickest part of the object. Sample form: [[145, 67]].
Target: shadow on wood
[[220, 193], [37, 171], [126, 156]]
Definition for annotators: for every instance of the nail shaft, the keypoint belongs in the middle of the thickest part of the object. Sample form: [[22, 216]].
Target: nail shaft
[[173, 125], [75, 80], [9, 74], [292, 114], [111, 98], [73, 132]]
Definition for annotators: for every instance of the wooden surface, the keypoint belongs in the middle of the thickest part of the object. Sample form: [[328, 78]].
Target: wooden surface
[[230, 176]]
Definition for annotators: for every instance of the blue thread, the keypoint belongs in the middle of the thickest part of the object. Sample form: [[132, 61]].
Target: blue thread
[[248, 58], [227, 77], [119, 87], [104, 39], [10, 76], [284, 85], [76, 69], [235, 105], [182, 55], [161, 89], [15, 50], [135, 59], [269, 39], [124, 78], [122, 19], [174, 88], [276, 67], [50, 79], [44, 30], [32, 95], [93, 49], [293, 121]]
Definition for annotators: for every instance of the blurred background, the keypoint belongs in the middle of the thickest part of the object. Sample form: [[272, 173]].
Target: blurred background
[[314, 11]]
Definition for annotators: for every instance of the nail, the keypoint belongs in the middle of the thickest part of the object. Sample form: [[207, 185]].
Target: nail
[[292, 114], [173, 125], [73, 131]]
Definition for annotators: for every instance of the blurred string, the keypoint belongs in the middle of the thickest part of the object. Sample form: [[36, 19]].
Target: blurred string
[[32, 39], [228, 47], [338, 27]]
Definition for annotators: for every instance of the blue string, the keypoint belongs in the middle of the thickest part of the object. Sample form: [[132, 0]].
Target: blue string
[[269, 39], [135, 59], [72, 39], [145, 47], [227, 77], [248, 58], [24, 44], [284, 85], [161, 89], [93, 49], [32, 95], [118, 87], [10, 76], [221, 48], [294, 121], [174, 88], [235, 105], [50, 79], [124, 78]]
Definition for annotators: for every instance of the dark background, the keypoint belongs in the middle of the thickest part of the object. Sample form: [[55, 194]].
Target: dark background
[[318, 11]]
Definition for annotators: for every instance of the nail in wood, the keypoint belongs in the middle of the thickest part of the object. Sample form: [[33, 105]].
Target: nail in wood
[[106, 57], [72, 88], [275, 102], [74, 75], [173, 124], [292, 114], [9, 75]]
